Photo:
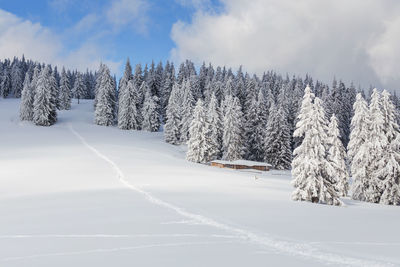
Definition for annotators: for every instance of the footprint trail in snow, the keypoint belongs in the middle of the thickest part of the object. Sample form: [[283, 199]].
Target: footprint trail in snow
[[279, 246]]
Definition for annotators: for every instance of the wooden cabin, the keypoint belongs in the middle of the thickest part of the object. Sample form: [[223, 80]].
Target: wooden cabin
[[241, 165]]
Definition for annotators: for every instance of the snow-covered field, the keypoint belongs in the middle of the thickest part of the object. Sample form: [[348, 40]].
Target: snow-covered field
[[77, 194]]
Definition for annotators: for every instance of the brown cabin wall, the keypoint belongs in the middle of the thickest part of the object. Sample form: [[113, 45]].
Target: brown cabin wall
[[219, 165], [261, 168], [239, 167]]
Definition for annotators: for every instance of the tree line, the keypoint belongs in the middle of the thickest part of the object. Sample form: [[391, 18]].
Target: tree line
[[319, 169], [220, 114]]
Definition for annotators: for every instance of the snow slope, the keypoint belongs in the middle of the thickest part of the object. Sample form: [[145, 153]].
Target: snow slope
[[77, 194]]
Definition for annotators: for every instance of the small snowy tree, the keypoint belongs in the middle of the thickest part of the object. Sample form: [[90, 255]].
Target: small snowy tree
[[172, 126], [277, 140], [151, 117], [125, 98], [215, 125], [198, 143], [17, 80], [187, 110], [65, 91], [390, 172], [105, 106], [254, 137], [232, 139], [79, 87], [127, 110], [44, 106], [27, 98], [336, 157], [376, 145], [357, 151], [310, 169]]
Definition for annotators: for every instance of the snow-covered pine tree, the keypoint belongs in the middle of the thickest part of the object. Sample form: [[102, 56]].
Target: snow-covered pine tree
[[187, 110], [215, 129], [232, 138], [166, 88], [259, 132], [16, 79], [54, 96], [5, 85], [357, 151], [99, 76], [79, 89], [173, 124], [65, 91], [139, 97], [310, 168], [128, 114], [126, 100], [376, 144], [44, 107], [390, 171], [35, 78], [105, 106], [252, 135], [336, 157], [123, 83], [151, 117], [198, 142], [26, 106], [277, 140]]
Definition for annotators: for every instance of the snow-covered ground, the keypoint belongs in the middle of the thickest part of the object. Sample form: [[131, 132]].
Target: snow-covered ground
[[77, 194]]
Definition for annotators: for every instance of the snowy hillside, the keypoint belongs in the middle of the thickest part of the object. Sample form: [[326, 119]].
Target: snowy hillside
[[77, 194]]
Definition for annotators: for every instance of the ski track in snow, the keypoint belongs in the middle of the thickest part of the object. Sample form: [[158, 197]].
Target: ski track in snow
[[88, 236], [279, 246], [107, 250]]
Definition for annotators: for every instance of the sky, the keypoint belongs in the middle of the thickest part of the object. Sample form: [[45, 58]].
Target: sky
[[356, 41]]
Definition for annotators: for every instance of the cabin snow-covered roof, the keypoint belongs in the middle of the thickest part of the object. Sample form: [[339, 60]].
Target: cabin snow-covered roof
[[243, 162]]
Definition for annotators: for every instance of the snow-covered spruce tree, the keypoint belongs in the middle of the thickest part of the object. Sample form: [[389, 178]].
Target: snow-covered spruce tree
[[336, 157], [44, 106], [65, 91], [232, 138], [252, 135], [198, 140], [5, 85], [390, 172], [151, 117], [99, 75], [126, 99], [173, 124], [127, 111], [138, 77], [123, 83], [277, 140], [166, 88], [139, 95], [17, 79], [357, 151], [187, 110], [79, 89], [215, 129], [310, 168], [105, 106], [375, 145], [27, 97]]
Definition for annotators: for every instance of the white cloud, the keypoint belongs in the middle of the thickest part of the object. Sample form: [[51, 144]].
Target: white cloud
[[384, 53], [129, 12], [199, 4], [354, 40], [18, 37]]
